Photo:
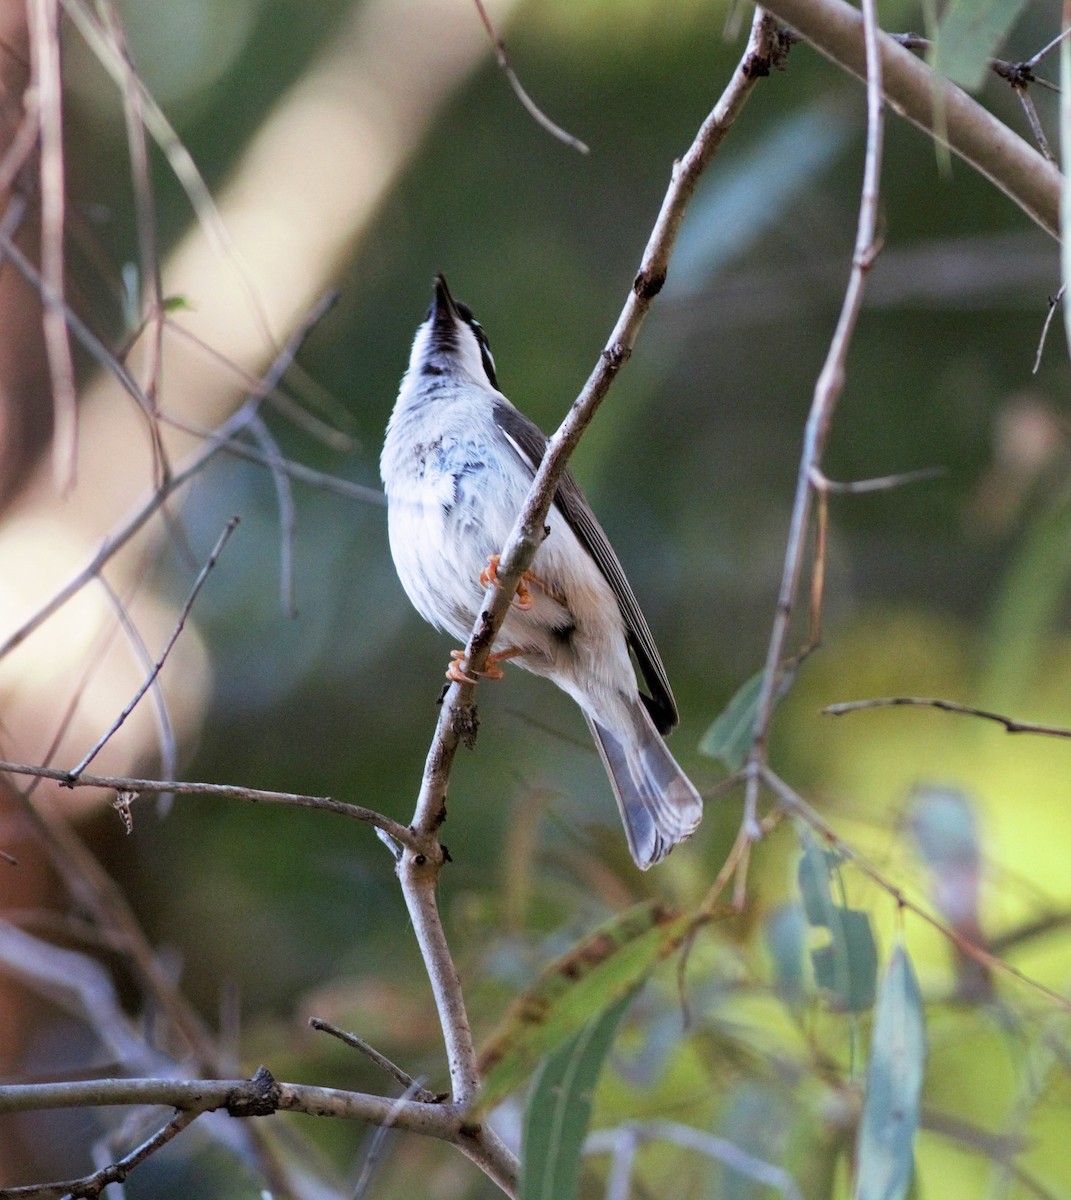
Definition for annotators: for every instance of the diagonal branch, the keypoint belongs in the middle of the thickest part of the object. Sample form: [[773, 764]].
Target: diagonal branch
[[938, 107], [418, 869]]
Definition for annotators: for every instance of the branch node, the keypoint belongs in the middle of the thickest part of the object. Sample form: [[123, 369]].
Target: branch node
[[260, 1098], [648, 284]]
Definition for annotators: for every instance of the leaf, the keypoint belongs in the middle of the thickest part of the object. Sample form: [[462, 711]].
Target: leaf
[[597, 972], [559, 1108], [890, 1117], [785, 930], [848, 966], [970, 33], [729, 738]]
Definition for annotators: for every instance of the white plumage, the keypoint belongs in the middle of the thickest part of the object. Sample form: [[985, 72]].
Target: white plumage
[[457, 464]]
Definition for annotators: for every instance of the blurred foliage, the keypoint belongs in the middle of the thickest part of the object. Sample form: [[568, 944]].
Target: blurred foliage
[[955, 587]]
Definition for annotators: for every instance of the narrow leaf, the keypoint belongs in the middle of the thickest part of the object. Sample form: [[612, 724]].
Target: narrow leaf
[[729, 738], [816, 866], [890, 1117], [970, 33], [848, 966], [559, 1108], [598, 971], [1065, 158]]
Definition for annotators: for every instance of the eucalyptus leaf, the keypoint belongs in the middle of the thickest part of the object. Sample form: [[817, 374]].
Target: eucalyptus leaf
[[848, 966], [608, 964], [970, 33], [559, 1109], [729, 738], [890, 1117]]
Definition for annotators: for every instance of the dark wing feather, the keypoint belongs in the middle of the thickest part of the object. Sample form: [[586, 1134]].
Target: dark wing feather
[[531, 444]]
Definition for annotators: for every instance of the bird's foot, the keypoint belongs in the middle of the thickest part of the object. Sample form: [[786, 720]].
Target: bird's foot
[[458, 673], [523, 599]]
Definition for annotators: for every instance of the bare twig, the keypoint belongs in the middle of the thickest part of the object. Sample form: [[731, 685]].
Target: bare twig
[[533, 110], [45, 54], [1011, 725], [827, 392], [1054, 304], [883, 483], [796, 804], [157, 667], [1046, 50], [414, 1090], [190, 468], [252, 795], [91, 1186], [418, 868]]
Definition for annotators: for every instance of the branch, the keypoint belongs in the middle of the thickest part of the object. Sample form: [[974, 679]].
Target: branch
[[419, 867], [827, 391], [1011, 725], [938, 107]]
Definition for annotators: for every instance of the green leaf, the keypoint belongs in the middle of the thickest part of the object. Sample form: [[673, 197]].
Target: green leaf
[[610, 963], [890, 1117], [970, 33], [848, 966], [785, 931], [559, 1108], [729, 738], [815, 868]]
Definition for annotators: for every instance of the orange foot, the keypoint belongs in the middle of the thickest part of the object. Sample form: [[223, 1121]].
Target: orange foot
[[523, 598], [457, 673]]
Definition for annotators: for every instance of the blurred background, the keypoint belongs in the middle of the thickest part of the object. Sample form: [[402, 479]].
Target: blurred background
[[364, 147]]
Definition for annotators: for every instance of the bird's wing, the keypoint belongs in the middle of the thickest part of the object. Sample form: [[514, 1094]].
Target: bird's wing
[[530, 443]]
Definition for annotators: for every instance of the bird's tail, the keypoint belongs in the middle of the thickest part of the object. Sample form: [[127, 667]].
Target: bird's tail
[[658, 804]]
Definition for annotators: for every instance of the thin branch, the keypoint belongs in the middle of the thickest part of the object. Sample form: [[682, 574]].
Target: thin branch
[[284, 497], [140, 787], [533, 109], [796, 804], [418, 868], [1011, 725], [91, 1186], [190, 468], [883, 483], [415, 1092], [45, 56], [1031, 63], [827, 390], [157, 667], [941, 109], [1054, 304]]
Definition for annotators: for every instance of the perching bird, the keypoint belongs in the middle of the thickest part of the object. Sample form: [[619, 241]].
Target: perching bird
[[457, 464]]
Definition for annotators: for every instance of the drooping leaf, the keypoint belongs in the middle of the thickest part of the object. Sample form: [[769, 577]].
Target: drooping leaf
[[970, 33], [606, 965], [785, 930], [729, 738], [848, 966], [885, 1150], [559, 1109]]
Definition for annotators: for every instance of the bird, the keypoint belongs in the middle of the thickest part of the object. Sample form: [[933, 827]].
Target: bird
[[457, 464]]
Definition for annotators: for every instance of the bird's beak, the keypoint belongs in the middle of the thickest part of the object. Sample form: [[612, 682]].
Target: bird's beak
[[443, 308]]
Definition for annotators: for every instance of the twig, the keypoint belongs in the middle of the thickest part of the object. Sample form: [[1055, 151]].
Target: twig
[[120, 783], [419, 867], [883, 483], [414, 1090], [45, 56], [1031, 63], [157, 667], [941, 109], [91, 1186], [1011, 725], [827, 392], [1054, 304], [533, 110], [191, 466], [796, 804], [722, 1150], [287, 516]]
